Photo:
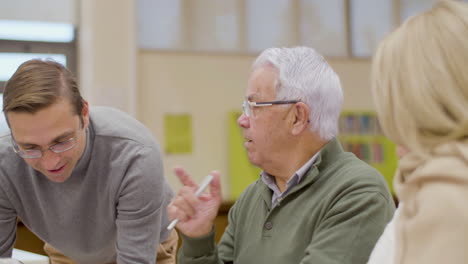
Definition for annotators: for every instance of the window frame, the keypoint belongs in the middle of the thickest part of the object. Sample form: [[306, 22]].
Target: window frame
[[66, 48]]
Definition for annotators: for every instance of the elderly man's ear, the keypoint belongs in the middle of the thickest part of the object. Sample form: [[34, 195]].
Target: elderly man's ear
[[301, 118]]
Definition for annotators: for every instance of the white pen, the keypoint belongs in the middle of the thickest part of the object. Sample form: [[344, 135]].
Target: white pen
[[202, 187]]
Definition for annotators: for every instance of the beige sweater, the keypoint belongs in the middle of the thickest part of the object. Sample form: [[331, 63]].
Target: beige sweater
[[433, 225]]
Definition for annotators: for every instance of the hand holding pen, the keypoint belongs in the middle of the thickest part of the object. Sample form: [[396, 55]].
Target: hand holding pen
[[193, 210]]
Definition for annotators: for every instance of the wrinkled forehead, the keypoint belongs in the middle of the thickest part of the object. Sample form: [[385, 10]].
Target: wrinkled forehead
[[262, 84]]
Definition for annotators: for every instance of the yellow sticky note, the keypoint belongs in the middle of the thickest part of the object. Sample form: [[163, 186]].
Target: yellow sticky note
[[178, 133]]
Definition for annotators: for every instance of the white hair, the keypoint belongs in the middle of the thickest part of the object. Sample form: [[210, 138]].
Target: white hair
[[305, 75]]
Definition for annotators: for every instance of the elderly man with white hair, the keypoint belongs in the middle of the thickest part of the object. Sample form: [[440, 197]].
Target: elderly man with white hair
[[313, 202]]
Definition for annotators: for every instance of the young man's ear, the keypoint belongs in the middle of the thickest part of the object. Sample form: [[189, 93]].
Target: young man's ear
[[301, 118], [85, 114]]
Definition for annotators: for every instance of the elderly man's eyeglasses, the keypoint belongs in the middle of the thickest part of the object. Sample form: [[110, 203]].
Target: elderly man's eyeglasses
[[247, 105], [37, 153]]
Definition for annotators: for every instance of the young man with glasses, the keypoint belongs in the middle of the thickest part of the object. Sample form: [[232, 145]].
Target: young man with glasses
[[313, 203], [88, 181]]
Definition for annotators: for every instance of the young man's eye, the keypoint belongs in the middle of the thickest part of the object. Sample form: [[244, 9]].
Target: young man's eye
[[64, 141], [29, 148]]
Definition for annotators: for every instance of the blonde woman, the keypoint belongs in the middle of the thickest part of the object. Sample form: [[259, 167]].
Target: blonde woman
[[420, 88]]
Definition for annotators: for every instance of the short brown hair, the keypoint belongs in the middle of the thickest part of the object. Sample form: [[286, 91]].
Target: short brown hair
[[37, 84]]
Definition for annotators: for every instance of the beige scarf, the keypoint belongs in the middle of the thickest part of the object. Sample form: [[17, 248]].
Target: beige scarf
[[433, 224]]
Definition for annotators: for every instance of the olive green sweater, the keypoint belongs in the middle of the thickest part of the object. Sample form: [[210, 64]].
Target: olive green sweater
[[334, 215]]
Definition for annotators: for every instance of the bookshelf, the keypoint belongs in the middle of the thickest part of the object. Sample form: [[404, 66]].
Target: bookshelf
[[360, 134]]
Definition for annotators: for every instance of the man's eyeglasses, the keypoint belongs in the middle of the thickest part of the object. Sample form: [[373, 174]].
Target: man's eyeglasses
[[37, 153], [247, 105]]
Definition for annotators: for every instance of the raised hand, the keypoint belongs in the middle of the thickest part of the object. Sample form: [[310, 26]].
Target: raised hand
[[196, 214]]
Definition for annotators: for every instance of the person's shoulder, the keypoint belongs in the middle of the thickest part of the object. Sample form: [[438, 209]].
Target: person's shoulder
[[109, 114], [115, 124], [12, 166], [355, 170], [6, 149], [345, 170], [5, 139], [336, 160]]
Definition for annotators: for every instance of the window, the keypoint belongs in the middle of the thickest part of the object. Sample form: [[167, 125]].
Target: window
[[36, 31], [11, 60], [3, 125], [412, 7], [323, 26], [272, 26], [21, 41], [370, 22], [340, 28]]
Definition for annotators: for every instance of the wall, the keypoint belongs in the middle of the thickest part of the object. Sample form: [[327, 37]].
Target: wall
[[63, 11], [107, 53], [208, 87]]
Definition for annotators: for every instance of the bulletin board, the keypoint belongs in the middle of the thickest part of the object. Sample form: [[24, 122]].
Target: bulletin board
[[178, 133]]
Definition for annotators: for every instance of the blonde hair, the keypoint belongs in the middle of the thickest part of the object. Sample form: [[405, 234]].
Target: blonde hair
[[420, 78]]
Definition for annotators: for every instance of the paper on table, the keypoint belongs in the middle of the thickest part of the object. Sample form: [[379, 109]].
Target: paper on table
[[29, 257]]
